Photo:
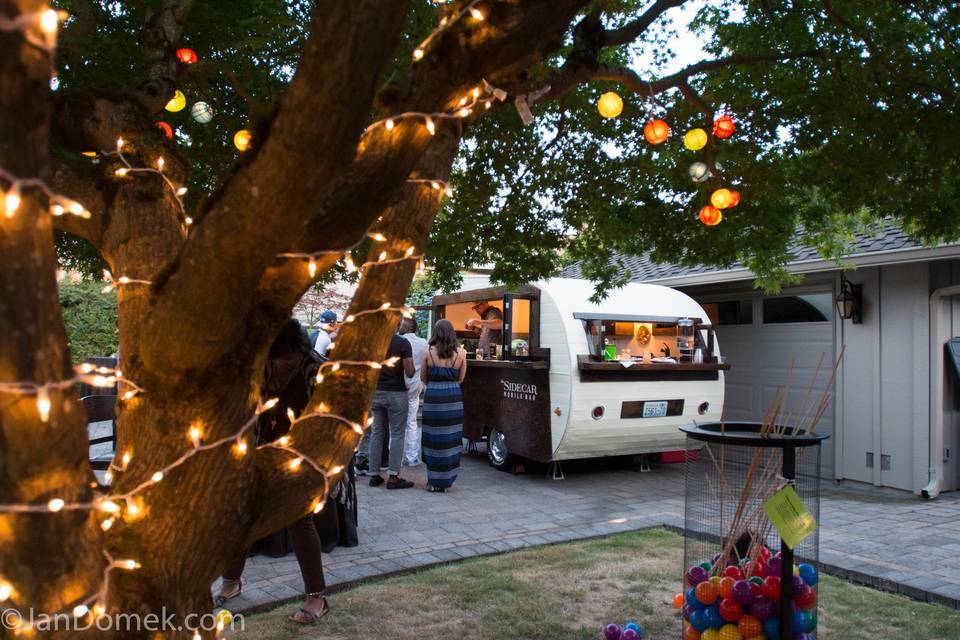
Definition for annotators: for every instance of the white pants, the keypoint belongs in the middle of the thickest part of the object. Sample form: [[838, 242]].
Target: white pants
[[411, 453]]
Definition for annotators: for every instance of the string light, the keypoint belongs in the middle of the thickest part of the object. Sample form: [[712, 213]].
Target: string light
[[113, 283], [445, 23], [57, 204], [128, 168], [46, 20], [464, 109]]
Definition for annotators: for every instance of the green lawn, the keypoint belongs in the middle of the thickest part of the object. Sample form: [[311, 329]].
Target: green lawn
[[568, 592]]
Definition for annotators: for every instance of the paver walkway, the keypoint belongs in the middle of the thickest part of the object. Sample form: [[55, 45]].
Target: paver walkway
[[888, 539]]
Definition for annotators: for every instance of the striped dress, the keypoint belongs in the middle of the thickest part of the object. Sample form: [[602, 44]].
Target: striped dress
[[442, 425]]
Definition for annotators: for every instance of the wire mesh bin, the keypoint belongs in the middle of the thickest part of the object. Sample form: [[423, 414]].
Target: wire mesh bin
[[741, 580]]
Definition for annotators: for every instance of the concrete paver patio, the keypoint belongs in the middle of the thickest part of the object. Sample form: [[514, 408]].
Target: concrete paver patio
[[887, 539]]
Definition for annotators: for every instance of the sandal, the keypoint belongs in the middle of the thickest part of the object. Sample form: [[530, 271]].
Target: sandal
[[433, 489], [309, 617], [219, 600]]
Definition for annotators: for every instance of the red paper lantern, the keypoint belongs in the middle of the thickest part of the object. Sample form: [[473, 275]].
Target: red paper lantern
[[734, 198], [723, 127], [163, 126], [711, 217], [656, 131], [186, 55]]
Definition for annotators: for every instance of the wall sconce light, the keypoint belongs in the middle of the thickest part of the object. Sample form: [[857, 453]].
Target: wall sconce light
[[850, 301]]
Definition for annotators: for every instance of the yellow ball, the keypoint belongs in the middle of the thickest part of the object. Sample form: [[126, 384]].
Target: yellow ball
[[730, 632], [715, 580], [224, 616], [695, 139], [610, 105], [242, 139], [710, 634], [177, 102]]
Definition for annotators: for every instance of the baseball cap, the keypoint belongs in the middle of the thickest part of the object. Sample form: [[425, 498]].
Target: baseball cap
[[328, 317]]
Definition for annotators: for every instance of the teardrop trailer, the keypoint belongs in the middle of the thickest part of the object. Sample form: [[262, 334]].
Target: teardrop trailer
[[576, 379]]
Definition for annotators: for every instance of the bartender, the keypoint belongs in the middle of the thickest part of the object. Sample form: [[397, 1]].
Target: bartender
[[490, 325]]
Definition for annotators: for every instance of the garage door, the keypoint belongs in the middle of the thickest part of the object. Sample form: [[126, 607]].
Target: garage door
[[774, 344]]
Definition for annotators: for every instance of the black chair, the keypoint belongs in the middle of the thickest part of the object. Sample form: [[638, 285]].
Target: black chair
[[89, 390], [101, 408]]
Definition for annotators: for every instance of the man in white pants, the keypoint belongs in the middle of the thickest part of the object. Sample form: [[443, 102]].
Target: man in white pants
[[408, 331]]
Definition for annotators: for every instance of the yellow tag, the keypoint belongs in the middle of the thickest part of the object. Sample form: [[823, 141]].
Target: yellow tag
[[787, 513]]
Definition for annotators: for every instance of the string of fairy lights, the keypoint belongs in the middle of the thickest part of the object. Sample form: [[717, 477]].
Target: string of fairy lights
[[129, 505]]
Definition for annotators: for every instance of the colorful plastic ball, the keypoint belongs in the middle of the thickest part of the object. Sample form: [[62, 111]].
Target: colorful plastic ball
[[165, 128], [808, 600], [610, 105], [678, 601], [689, 633], [716, 581], [733, 572], [763, 608], [632, 625], [698, 620], [686, 612], [712, 615], [186, 55], [798, 623], [755, 568], [696, 575], [691, 599], [177, 102], [800, 593], [798, 585], [765, 553], [809, 574], [201, 112], [710, 634], [730, 610], [656, 131], [612, 631], [707, 566], [773, 566], [744, 592], [695, 139], [723, 127], [757, 580], [725, 588], [630, 634], [699, 172], [811, 622], [750, 626], [730, 632], [771, 588], [706, 592], [242, 139], [711, 217], [771, 627]]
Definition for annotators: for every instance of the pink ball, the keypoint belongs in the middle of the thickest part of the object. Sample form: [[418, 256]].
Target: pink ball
[[612, 632], [629, 634]]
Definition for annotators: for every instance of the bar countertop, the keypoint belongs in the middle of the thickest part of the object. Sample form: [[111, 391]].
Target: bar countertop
[[509, 364], [586, 363]]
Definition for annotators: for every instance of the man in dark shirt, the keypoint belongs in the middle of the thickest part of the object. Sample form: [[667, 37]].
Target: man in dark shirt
[[490, 325], [390, 412]]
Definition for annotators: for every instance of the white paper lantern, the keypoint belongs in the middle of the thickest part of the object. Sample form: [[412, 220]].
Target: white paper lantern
[[699, 172], [201, 112]]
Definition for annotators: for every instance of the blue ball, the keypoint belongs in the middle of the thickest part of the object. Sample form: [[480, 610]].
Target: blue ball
[[692, 599], [698, 620], [771, 628], [799, 622], [809, 574], [712, 615]]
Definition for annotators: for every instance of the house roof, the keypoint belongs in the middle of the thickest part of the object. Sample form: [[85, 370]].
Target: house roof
[[888, 245]]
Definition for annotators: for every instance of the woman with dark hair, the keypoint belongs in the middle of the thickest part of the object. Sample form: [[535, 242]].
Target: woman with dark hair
[[290, 371], [444, 368]]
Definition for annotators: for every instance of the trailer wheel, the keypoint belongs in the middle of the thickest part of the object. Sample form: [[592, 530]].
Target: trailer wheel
[[497, 450]]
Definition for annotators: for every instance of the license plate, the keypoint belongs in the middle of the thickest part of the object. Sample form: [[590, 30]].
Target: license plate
[[656, 409]]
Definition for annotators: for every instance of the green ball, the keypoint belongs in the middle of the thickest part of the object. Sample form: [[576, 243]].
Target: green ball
[[706, 565], [811, 623], [756, 580]]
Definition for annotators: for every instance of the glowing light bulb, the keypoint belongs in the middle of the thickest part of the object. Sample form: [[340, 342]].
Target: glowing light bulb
[[241, 448], [475, 93], [6, 590], [81, 610], [106, 524], [389, 124], [335, 367], [430, 126], [317, 505], [12, 202], [160, 163], [43, 404], [130, 564], [119, 144], [181, 191], [382, 257], [283, 441], [379, 237], [337, 469], [291, 416], [125, 460], [48, 21], [417, 53], [312, 267], [129, 394], [476, 14], [409, 251], [295, 463], [270, 404], [109, 506], [122, 171], [55, 505], [463, 113], [57, 210], [157, 477]]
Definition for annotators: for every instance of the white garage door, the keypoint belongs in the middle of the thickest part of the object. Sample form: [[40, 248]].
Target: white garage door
[[774, 344]]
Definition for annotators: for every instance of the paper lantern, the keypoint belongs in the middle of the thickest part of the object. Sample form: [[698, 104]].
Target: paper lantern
[[710, 216], [186, 55], [699, 172], [656, 131], [163, 126], [734, 198], [695, 139], [723, 199], [610, 105], [723, 127], [201, 112], [177, 102], [242, 139]]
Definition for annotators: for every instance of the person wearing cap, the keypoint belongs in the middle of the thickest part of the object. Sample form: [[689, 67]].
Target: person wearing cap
[[328, 327], [490, 325]]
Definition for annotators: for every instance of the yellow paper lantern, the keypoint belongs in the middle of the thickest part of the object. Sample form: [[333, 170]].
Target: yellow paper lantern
[[242, 139], [695, 139], [610, 105], [177, 102], [723, 199]]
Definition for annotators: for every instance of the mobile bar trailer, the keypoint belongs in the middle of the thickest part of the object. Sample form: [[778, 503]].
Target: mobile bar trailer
[[578, 379]]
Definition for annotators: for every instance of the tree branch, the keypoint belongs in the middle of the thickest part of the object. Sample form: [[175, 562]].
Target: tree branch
[[159, 36], [633, 30], [65, 178]]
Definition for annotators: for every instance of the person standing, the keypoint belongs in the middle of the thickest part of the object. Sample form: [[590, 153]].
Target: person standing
[[328, 329], [411, 452], [444, 368], [490, 325], [390, 413]]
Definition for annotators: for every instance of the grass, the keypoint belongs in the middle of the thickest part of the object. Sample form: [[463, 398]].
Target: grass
[[568, 592]]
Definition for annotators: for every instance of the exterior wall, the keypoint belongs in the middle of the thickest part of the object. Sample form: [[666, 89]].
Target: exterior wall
[[944, 274]]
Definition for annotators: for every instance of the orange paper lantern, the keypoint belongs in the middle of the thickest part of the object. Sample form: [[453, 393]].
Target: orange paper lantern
[[167, 130], [710, 216], [186, 55], [723, 199], [723, 127], [656, 131], [734, 199]]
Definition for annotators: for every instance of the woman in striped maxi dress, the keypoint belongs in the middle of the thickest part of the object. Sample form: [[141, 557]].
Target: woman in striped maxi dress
[[443, 370]]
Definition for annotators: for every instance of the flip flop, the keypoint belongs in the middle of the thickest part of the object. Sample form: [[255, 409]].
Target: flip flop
[[310, 617], [219, 600]]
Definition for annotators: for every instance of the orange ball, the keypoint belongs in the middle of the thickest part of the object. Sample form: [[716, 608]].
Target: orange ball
[[750, 627], [710, 215], [706, 592], [678, 601], [689, 633], [726, 587], [723, 126], [656, 131]]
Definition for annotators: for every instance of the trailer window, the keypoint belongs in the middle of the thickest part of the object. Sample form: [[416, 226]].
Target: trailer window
[[817, 307]]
